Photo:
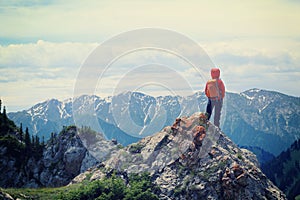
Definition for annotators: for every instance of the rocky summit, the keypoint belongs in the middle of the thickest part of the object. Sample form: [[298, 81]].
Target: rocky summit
[[192, 159]]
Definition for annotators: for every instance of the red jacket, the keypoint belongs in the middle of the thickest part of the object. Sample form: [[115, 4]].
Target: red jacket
[[215, 74]]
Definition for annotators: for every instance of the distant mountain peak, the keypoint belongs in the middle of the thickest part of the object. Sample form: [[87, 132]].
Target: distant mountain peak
[[260, 114]]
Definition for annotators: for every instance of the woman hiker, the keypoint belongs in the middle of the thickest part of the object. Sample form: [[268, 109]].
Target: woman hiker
[[215, 91]]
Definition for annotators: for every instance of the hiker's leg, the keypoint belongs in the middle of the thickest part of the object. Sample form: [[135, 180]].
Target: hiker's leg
[[218, 108], [209, 109]]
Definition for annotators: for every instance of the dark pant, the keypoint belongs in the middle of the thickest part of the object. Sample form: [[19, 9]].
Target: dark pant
[[217, 104]]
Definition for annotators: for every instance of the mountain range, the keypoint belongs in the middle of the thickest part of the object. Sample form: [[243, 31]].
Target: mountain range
[[174, 163], [256, 118]]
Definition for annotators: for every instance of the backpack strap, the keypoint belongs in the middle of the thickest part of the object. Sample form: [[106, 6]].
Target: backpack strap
[[218, 90]]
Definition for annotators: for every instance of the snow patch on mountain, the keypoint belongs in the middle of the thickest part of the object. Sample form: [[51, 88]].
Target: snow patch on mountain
[[261, 115]]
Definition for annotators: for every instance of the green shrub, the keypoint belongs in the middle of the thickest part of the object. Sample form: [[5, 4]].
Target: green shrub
[[239, 155], [15, 148], [136, 148], [139, 187]]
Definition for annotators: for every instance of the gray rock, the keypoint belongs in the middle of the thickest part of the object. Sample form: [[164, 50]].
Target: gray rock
[[63, 159], [183, 173]]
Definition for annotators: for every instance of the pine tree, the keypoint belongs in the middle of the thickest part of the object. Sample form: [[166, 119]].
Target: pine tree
[[27, 138], [43, 141], [37, 141], [4, 114], [32, 142], [0, 105], [52, 137], [4, 123], [21, 132], [27, 141]]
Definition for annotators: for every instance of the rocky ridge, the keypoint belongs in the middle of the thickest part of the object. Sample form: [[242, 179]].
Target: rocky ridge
[[64, 157], [216, 169]]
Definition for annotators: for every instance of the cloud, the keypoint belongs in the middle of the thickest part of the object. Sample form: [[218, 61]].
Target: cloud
[[43, 43], [249, 63], [44, 54], [97, 20], [54, 66]]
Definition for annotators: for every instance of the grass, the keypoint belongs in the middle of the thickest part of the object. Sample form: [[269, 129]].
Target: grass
[[40, 193], [139, 187]]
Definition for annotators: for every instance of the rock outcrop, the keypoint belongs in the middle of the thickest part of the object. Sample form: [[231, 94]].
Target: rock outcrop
[[214, 169], [64, 157]]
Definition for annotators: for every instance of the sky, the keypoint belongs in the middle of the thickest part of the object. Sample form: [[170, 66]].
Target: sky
[[45, 45]]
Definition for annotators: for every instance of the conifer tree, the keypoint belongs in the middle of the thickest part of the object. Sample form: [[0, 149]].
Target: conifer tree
[[51, 137], [0, 105], [21, 132], [27, 141], [4, 113], [32, 141], [27, 138], [37, 141], [43, 141]]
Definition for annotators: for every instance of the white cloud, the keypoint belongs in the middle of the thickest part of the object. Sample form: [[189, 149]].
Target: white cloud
[[248, 63], [54, 67], [94, 20], [256, 43], [31, 72], [45, 54]]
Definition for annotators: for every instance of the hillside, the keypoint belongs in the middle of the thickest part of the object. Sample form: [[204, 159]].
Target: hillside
[[175, 163], [262, 155], [284, 170], [56, 163], [265, 119]]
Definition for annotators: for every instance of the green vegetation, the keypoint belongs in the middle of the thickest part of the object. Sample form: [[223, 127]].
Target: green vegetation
[[6, 125], [222, 164], [67, 130], [284, 170], [136, 148], [14, 147], [138, 188], [18, 145], [179, 190], [239, 155]]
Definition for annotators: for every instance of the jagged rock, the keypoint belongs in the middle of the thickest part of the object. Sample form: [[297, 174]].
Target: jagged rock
[[182, 172], [64, 157]]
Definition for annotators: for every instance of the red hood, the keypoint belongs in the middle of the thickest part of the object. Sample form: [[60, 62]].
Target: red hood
[[215, 73]]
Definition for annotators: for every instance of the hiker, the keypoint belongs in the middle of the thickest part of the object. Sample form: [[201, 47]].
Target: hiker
[[215, 91]]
